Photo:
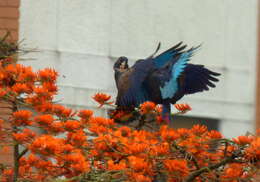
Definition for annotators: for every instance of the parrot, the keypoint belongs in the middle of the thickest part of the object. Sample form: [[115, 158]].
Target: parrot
[[162, 79]]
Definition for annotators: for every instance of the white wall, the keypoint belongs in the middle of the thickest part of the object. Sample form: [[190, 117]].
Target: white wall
[[82, 38]]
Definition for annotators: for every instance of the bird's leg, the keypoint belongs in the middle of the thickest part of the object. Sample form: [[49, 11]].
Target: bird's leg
[[166, 113]]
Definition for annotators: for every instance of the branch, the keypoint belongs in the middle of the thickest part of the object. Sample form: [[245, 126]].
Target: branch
[[195, 174], [192, 158], [16, 162], [22, 153], [141, 122]]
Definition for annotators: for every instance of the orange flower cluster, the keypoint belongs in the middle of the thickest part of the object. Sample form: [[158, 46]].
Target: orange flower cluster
[[25, 136], [79, 146], [47, 145], [45, 119], [85, 115], [176, 168], [22, 117], [102, 99], [182, 107], [147, 107], [47, 75]]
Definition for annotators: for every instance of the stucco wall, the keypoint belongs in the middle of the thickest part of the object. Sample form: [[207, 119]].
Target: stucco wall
[[82, 38]]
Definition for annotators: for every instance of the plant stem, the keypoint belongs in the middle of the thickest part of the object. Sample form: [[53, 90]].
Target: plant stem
[[190, 156], [16, 162], [196, 173], [22, 153]]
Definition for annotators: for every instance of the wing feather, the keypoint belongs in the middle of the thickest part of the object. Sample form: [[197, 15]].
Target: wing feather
[[198, 79], [171, 86], [167, 56]]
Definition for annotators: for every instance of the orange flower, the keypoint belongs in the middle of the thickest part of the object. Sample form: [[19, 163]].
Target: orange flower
[[21, 88], [50, 86], [72, 125], [199, 129], [159, 120], [22, 117], [118, 166], [47, 145], [85, 115], [46, 119], [7, 175], [62, 111], [102, 99], [25, 136], [184, 132], [233, 171], [26, 75], [47, 75], [95, 128], [18, 73], [136, 148], [147, 107], [182, 107], [120, 115], [13, 69], [44, 107], [37, 100], [179, 167], [77, 162], [56, 127], [168, 134], [253, 151], [67, 148], [43, 164], [117, 114], [214, 134], [140, 178], [138, 164], [81, 166], [161, 149], [32, 159], [100, 145], [77, 139], [42, 92], [125, 131], [243, 140], [102, 121]]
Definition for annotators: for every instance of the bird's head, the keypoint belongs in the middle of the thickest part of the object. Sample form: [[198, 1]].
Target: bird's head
[[121, 64]]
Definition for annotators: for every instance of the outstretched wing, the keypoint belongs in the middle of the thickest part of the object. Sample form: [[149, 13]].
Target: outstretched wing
[[197, 78], [170, 87], [168, 55], [131, 91]]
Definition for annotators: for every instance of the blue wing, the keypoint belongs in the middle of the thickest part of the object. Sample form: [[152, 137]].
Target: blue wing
[[197, 78], [171, 87], [168, 55]]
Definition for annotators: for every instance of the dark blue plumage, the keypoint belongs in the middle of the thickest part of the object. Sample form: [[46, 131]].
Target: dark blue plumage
[[163, 79]]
